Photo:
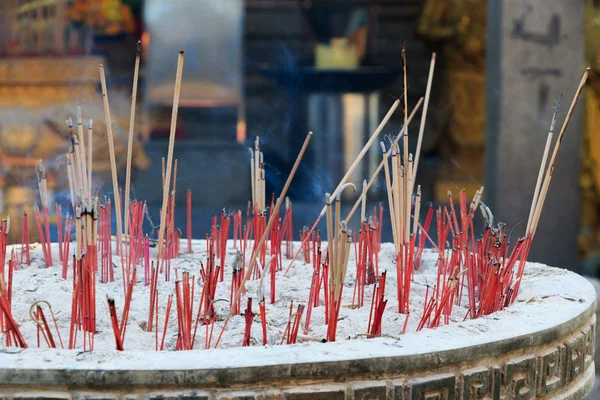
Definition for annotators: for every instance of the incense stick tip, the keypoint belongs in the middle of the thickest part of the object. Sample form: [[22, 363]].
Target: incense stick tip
[[338, 196], [343, 226], [41, 169], [554, 115]]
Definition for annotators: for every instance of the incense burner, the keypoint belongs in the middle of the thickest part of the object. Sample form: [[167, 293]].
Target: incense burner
[[541, 347]]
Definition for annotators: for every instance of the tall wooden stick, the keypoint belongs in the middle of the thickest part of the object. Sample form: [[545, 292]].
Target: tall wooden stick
[[113, 163], [136, 73], [265, 235], [167, 184]]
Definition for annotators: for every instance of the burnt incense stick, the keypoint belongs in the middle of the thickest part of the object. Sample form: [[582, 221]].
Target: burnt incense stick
[[38, 322], [266, 233], [136, 73], [167, 180], [113, 163]]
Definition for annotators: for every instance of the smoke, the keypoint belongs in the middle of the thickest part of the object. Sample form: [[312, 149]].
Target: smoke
[[31, 134]]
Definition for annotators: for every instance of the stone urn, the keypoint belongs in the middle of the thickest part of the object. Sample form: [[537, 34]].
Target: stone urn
[[541, 347]]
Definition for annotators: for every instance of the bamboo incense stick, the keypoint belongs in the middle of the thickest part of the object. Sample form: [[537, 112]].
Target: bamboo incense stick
[[408, 196], [163, 171], [424, 116], [417, 210], [71, 164], [358, 159], [252, 176], [82, 161], [265, 234], [363, 211], [364, 150], [262, 195], [390, 198], [71, 183], [550, 169], [75, 159], [396, 189], [406, 189], [542, 169], [405, 85], [136, 73], [113, 163], [167, 181], [89, 158], [381, 164]]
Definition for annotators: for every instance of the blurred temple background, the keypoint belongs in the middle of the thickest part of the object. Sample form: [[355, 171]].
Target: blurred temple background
[[279, 68]]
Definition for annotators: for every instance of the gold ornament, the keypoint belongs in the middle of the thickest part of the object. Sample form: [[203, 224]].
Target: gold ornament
[[460, 129]]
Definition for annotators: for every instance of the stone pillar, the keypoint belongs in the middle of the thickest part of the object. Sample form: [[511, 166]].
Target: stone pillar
[[535, 52]]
